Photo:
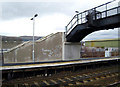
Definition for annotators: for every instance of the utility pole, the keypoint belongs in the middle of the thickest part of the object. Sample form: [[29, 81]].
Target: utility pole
[[33, 50]]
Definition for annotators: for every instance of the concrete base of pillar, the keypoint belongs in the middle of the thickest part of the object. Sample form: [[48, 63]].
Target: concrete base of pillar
[[71, 51]]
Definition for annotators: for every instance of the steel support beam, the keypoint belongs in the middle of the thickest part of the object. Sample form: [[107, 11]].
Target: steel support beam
[[82, 30]]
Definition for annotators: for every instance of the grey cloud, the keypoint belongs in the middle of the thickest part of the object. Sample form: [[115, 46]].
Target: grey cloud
[[107, 34], [11, 10], [14, 10]]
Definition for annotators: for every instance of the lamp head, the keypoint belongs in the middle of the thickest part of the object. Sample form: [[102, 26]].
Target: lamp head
[[77, 11], [31, 19], [35, 15]]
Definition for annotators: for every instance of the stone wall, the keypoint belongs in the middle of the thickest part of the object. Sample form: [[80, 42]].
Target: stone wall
[[48, 48]]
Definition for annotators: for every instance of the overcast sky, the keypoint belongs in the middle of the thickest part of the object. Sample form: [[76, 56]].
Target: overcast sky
[[53, 16]]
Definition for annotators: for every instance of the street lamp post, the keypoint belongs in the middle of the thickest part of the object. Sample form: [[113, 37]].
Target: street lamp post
[[33, 51], [77, 13]]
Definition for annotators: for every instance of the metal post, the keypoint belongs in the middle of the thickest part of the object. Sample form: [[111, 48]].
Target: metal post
[[77, 19], [65, 33], [2, 56], [77, 16], [95, 13], [81, 50], [1, 51], [106, 10], [33, 51], [65, 30], [81, 18]]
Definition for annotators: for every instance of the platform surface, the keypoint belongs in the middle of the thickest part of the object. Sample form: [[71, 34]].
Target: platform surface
[[60, 63]]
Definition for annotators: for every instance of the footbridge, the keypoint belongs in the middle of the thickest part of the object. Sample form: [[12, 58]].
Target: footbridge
[[105, 16]]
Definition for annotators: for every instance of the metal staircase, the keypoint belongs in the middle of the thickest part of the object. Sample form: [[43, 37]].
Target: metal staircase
[[105, 16]]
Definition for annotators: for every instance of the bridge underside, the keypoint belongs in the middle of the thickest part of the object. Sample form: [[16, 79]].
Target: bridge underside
[[82, 30]]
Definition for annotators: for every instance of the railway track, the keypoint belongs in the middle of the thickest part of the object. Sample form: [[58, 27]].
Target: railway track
[[98, 77]]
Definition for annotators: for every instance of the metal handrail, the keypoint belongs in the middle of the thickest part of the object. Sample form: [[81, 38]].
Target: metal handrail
[[71, 26], [71, 20], [86, 13], [111, 9]]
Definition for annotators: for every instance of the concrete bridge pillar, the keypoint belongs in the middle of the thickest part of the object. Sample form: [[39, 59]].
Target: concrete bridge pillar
[[71, 50]]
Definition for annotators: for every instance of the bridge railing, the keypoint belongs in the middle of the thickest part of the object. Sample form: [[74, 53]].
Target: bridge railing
[[102, 11]]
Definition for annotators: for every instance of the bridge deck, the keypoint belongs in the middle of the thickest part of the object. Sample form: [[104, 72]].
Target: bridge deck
[[82, 30], [92, 20]]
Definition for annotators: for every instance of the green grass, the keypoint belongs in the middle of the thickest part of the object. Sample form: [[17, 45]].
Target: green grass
[[103, 43]]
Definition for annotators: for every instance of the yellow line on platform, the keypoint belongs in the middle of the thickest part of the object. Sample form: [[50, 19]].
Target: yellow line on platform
[[52, 64]]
